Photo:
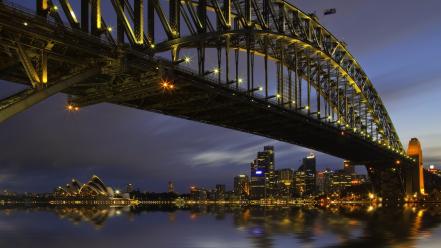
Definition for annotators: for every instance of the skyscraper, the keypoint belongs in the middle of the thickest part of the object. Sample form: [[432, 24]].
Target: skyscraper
[[262, 174], [340, 180], [129, 188], [309, 168], [198, 194], [242, 185], [171, 187], [323, 181], [285, 182], [299, 183], [220, 191], [348, 167]]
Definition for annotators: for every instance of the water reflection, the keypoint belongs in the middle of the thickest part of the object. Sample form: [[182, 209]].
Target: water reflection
[[342, 226], [95, 216]]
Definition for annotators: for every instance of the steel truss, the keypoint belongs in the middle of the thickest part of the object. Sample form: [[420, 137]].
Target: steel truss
[[316, 76]]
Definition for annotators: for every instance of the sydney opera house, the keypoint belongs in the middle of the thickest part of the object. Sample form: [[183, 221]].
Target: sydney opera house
[[94, 187], [92, 192]]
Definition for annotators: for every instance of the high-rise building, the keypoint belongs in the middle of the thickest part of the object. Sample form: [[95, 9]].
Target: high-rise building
[[348, 167], [262, 174], [171, 187], [323, 181], [434, 170], [198, 194], [340, 180], [359, 179], [299, 183], [309, 167], [284, 182], [220, 191], [242, 185], [309, 163], [129, 188]]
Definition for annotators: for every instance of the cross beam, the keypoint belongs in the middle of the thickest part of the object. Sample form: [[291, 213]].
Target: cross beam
[[25, 99]]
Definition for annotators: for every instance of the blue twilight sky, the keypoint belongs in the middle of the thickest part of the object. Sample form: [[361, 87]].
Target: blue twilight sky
[[396, 42]]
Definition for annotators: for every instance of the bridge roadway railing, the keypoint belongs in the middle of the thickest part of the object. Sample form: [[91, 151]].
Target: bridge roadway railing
[[30, 15]]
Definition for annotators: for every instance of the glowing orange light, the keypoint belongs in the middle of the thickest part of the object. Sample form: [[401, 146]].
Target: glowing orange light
[[166, 85], [72, 108]]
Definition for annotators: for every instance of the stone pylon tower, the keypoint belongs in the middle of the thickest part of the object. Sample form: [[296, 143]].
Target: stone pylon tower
[[415, 175]]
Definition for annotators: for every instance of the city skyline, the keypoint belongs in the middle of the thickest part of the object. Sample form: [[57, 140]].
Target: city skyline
[[168, 184], [279, 183], [129, 135]]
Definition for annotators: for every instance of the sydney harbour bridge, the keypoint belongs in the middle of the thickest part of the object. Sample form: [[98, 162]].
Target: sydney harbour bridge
[[259, 66]]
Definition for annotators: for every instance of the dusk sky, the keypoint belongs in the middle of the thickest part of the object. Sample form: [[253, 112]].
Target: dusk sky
[[398, 44]]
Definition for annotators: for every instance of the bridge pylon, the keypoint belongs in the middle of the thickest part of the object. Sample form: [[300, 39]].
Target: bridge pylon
[[414, 174]]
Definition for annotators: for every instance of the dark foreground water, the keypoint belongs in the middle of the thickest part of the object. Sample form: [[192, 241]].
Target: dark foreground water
[[349, 226]]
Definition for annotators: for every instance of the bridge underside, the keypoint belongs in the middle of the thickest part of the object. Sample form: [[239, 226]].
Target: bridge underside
[[130, 77], [208, 102]]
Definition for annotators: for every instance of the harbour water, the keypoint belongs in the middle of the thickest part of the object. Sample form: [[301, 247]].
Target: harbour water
[[221, 226]]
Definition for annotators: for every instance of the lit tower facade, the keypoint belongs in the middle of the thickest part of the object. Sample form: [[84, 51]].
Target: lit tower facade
[[415, 176], [262, 174], [309, 168], [242, 185], [171, 187], [129, 188], [220, 191], [348, 167], [285, 182]]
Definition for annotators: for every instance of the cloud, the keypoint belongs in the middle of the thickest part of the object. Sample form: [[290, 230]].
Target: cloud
[[225, 155], [432, 155], [407, 82], [213, 158]]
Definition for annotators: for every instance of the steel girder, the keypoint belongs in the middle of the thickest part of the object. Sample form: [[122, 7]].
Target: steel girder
[[27, 98], [297, 31], [275, 30]]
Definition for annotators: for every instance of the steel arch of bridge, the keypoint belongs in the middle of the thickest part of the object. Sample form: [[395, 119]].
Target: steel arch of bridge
[[307, 56], [279, 31]]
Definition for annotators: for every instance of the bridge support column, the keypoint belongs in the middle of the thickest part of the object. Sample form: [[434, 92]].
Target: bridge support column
[[414, 172], [96, 22], [42, 8], [85, 15], [387, 182], [23, 100]]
